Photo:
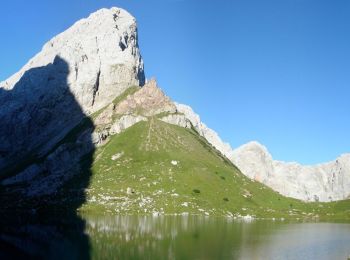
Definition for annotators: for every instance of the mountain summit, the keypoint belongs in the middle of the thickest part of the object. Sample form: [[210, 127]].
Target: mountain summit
[[102, 56], [77, 73]]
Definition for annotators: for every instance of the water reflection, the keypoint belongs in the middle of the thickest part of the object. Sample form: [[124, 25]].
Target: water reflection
[[163, 237], [54, 236], [193, 237], [301, 241], [168, 237]]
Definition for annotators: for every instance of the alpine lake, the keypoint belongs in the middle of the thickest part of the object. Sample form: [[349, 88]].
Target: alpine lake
[[170, 237]]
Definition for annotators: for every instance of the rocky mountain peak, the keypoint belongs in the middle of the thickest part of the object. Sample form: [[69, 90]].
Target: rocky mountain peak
[[149, 100], [101, 54], [322, 182], [254, 160], [134, 105], [77, 72], [344, 157], [254, 147]]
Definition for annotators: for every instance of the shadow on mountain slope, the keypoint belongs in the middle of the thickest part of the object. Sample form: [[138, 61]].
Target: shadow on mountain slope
[[46, 154]]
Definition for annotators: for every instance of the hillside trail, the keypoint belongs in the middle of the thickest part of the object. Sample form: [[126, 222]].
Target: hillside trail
[[148, 138]]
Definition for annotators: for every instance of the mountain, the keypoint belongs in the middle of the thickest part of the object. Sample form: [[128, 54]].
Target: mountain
[[77, 73], [83, 130], [324, 182]]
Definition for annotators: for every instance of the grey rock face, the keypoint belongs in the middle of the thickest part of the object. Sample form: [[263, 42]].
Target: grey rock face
[[324, 182], [77, 72], [176, 119], [125, 122], [102, 57]]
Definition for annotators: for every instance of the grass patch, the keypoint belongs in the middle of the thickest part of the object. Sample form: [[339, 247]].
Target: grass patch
[[129, 91]]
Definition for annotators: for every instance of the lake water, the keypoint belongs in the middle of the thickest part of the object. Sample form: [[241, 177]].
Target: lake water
[[169, 237]]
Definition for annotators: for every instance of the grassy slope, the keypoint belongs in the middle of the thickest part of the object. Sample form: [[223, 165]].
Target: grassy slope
[[202, 179]]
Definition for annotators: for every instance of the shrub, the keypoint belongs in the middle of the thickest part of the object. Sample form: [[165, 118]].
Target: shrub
[[225, 199], [222, 177], [196, 191]]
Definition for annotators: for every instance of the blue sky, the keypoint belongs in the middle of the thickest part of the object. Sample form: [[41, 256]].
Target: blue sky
[[273, 71]]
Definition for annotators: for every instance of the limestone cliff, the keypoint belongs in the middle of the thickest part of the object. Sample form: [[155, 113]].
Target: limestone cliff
[[102, 57], [76, 73], [323, 182]]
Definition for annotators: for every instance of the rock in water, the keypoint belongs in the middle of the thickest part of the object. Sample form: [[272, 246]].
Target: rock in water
[[77, 73]]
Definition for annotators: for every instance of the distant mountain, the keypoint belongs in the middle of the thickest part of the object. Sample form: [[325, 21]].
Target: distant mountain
[[324, 182], [83, 130]]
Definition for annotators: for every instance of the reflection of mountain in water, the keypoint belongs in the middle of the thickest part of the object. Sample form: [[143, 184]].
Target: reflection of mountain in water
[[166, 237], [43, 236], [197, 237]]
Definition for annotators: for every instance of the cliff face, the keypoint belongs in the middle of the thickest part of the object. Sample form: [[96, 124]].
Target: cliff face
[[77, 73], [324, 182], [102, 57]]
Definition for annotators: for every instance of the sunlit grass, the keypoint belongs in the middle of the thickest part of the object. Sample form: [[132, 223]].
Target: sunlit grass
[[145, 181]]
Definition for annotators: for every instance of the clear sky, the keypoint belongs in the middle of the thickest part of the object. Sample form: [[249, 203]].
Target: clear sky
[[273, 71]]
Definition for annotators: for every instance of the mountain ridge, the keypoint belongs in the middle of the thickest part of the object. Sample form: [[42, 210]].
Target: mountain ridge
[[321, 182]]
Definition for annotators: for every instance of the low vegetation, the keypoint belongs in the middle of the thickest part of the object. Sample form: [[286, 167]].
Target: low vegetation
[[166, 169]]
